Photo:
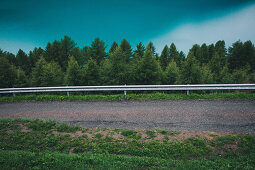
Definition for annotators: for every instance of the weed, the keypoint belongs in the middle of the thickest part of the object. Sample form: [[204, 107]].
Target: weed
[[162, 131], [99, 135], [153, 96], [150, 133], [128, 133], [223, 140], [63, 127], [41, 125], [213, 135]]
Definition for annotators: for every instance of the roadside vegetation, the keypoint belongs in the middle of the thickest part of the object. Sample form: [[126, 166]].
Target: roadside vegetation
[[41, 144], [120, 97], [63, 63]]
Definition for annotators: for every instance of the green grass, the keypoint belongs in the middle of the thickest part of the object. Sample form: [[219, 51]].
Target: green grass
[[119, 97], [38, 144]]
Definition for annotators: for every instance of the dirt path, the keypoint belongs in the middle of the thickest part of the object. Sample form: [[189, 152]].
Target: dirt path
[[197, 115]]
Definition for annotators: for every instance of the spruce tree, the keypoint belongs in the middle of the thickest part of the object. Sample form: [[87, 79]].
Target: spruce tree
[[22, 61], [126, 48], [38, 73], [119, 69], [113, 47], [150, 46], [191, 71], [174, 55], [91, 75], [172, 74], [139, 52], [148, 69], [164, 58], [7, 73], [97, 51], [21, 79], [73, 76]]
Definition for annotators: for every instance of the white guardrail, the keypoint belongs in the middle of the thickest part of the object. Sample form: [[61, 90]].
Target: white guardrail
[[126, 88]]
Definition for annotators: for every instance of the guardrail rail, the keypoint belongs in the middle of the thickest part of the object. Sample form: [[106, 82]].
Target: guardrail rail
[[126, 88]]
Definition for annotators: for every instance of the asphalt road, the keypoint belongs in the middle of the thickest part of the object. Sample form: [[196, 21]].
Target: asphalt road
[[236, 116]]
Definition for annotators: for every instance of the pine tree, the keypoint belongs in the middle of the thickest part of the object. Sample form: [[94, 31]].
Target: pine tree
[[91, 76], [113, 47], [21, 79], [207, 76], [205, 54], [22, 61], [172, 74], [34, 56], [191, 71], [174, 54], [47, 74], [148, 70], [164, 58], [119, 69], [55, 52], [38, 73], [139, 52], [97, 51], [105, 72], [7, 73], [73, 75], [237, 59], [78, 55], [53, 75], [150, 46], [196, 50], [126, 48]]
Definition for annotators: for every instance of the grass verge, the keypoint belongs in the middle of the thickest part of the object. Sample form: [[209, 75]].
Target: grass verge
[[40, 144], [120, 97]]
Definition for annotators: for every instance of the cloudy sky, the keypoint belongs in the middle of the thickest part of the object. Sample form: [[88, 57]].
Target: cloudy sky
[[33, 23]]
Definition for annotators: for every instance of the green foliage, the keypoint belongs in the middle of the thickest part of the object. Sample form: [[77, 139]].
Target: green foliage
[[78, 55], [147, 70], [41, 149], [92, 65], [191, 71], [172, 74], [97, 50], [174, 55], [113, 47], [22, 61], [73, 75], [46, 74], [150, 134], [128, 133], [21, 79], [127, 50], [119, 70], [150, 47], [91, 75], [240, 76], [164, 58], [120, 97], [7, 73], [63, 127], [139, 52]]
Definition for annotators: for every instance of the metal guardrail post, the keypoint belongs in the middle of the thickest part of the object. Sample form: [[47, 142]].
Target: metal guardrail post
[[67, 93], [187, 91], [125, 92], [14, 95]]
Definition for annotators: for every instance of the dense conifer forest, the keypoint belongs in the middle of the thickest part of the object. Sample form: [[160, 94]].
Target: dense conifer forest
[[64, 63]]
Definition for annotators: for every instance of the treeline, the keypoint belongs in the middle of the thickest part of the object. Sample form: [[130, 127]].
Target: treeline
[[63, 63]]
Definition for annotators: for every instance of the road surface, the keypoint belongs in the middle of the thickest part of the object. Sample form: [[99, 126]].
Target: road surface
[[236, 116]]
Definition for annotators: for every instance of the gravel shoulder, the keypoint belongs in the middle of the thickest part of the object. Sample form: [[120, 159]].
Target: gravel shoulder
[[236, 116]]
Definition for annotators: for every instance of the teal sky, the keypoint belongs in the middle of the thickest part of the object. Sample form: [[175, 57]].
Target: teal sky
[[33, 23]]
